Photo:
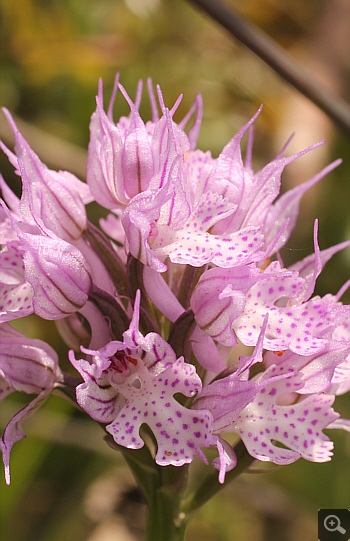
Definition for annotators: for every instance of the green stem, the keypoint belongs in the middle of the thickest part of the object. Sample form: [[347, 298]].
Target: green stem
[[164, 522], [211, 486], [163, 488]]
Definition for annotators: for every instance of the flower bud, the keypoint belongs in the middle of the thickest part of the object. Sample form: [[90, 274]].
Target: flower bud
[[58, 274], [28, 365]]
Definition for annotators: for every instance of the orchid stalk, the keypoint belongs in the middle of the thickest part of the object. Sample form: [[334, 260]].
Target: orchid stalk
[[154, 301]]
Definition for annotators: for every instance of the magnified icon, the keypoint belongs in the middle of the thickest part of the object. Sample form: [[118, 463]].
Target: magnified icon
[[332, 524]]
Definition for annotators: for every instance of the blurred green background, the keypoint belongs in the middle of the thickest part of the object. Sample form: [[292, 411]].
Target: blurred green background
[[66, 482]]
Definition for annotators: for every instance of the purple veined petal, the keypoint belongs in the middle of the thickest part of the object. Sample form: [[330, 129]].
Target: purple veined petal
[[139, 222], [126, 158], [28, 365], [232, 180], [230, 163], [137, 159], [100, 400], [219, 299], [253, 194], [103, 163], [13, 431], [50, 196], [58, 275], [108, 171], [287, 206], [175, 210], [52, 206], [138, 229], [11, 200], [297, 426], [179, 138], [225, 399], [168, 144], [215, 316], [96, 395], [78, 189], [267, 185], [137, 162]]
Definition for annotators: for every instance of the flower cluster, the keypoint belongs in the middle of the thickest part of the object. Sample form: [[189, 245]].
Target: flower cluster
[[153, 302]]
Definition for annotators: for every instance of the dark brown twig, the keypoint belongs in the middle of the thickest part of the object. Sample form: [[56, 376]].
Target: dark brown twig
[[275, 57]]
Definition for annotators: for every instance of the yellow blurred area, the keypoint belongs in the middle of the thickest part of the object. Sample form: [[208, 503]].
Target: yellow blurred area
[[47, 41]]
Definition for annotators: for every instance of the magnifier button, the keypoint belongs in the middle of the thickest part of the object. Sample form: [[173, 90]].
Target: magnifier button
[[332, 524]]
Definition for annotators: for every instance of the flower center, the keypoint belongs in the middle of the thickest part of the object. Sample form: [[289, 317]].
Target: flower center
[[120, 362]]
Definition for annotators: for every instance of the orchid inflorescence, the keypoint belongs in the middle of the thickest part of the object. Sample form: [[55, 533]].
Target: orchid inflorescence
[[153, 302]]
